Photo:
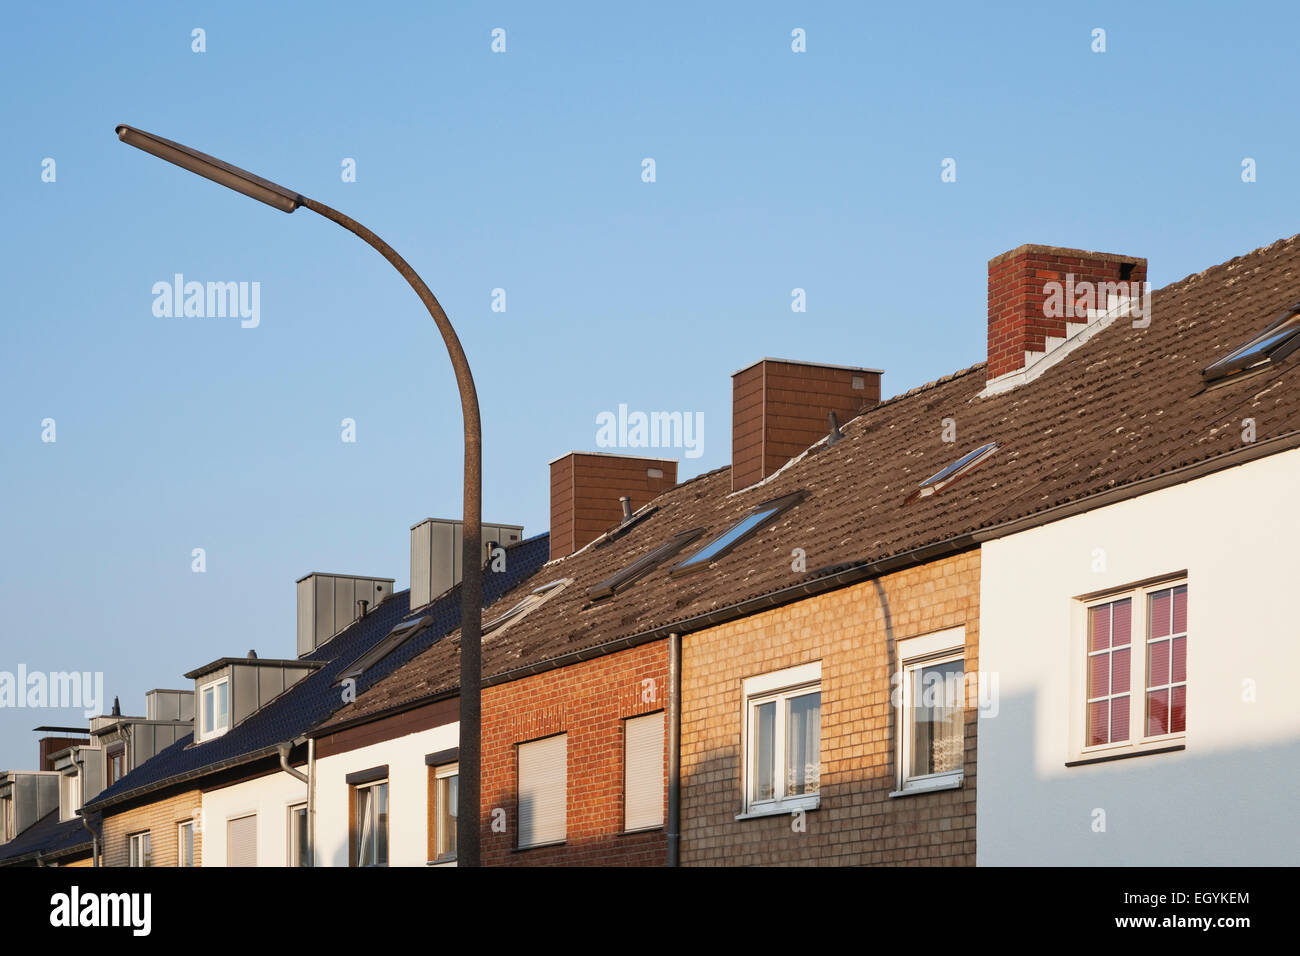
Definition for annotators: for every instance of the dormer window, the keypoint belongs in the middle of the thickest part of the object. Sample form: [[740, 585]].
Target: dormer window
[[214, 709]]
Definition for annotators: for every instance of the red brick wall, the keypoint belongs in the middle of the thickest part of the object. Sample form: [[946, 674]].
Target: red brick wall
[[1016, 298], [589, 702]]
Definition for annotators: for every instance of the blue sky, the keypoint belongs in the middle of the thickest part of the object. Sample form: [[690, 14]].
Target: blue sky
[[522, 171]]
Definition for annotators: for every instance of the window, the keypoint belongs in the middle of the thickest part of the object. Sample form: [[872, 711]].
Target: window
[[393, 640], [185, 843], [241, 841], [536, 599], [141, 853], [782, 732], [69, 795], [1135, 670], [1276, 342], [962, 466], [370, 824], [444, 796], [215, 710], [642, 566], [116, 763], [930, 697], [299, 854], [761, 515], [643, 772], [543, 791], [6, 819]]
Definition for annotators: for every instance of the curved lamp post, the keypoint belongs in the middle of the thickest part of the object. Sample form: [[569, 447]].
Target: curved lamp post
[[286, 200]]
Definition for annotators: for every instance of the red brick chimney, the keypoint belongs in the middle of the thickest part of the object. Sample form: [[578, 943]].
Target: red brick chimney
[[586, 488], [1019, 294], [780, 407]]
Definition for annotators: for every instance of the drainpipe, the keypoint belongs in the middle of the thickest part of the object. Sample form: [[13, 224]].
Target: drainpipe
[[94, 840], [306, 778], [674, 748], [311, 802]]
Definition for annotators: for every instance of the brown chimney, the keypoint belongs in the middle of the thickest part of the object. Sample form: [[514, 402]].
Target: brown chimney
[[1025, 309], [586, 488], [779, 408]]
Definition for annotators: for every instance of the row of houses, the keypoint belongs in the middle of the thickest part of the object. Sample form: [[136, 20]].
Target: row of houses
[[1028, 613]]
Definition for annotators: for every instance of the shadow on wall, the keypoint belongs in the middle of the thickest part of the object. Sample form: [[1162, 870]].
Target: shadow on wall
[[1186, 808]]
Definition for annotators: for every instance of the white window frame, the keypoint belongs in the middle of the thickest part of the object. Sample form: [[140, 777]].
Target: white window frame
[[778, 686], [136, 840], [180, 842], [440, 773], [941, 647], [1138, 742], [388, 846], [291, 845], [209, 733]]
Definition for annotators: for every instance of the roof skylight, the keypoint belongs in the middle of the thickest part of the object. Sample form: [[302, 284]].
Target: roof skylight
[[643, 565], [940, 480], [738, 532], [391, 641], [1276, 342], [536, 599]]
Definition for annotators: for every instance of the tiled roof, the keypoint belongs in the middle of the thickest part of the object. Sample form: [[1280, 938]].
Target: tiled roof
[[47, 837], [1125, 406], [315, 697]]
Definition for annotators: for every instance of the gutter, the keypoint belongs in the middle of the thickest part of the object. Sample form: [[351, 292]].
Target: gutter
[[857, 572], [94, 840], [285, 749], [183, 777]]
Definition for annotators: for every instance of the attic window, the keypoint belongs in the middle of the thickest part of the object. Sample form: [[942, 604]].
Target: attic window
[[393, 640], [642, 566], [760, 516], [536, 599], [937, 482], [1276, 342]]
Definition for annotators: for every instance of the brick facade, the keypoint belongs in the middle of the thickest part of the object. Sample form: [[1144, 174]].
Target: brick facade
[[852, 632], [161, 819], [589, 702]]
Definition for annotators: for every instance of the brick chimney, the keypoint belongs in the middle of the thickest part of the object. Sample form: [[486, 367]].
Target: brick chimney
[[780, 407], [586, 488], [1021, 317]]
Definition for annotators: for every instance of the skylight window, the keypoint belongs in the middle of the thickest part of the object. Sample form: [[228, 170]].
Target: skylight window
[[536, 599], [761, 515], [391, 641], [642, 566], [940, 480], [1276, 342]]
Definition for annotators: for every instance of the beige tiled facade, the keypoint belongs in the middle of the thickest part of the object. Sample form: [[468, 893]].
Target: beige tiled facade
[[161, 819], [853, 633]]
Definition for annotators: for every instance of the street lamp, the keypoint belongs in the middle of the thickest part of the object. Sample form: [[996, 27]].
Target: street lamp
[[471, 628]]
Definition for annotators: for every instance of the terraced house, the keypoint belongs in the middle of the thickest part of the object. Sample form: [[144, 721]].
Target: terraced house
[[785, 660], [1025, 613], [238, 790]]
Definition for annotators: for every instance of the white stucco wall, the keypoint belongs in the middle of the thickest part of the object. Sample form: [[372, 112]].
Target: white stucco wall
[[270, 798], [1230, 796], [408, 795]]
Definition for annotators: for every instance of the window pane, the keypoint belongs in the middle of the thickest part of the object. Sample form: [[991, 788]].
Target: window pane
[[365, 827], [223, 706], [1121, 623], [1099, 628], [1160, 608], [1178, 710], [739, 530], [1099, 679], [1119, 718], [208, 713], [764, 753], [1179, 671], [381, 823], [803, 724], [1120, 672], [937, 715], [1157, 713], [1180, 609], [1098, 722], [447, 797], [1157, 663]]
